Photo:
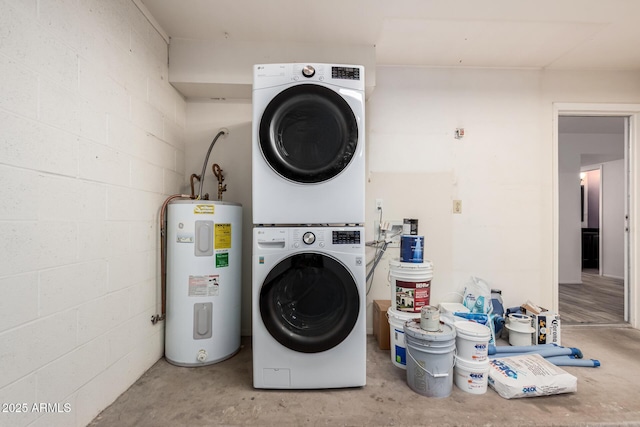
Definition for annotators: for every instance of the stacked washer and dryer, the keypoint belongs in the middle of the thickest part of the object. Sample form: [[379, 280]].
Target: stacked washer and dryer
[[308, 264]]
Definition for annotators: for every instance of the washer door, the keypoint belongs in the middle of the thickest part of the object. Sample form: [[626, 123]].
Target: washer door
[[308, 134], [309, 302]]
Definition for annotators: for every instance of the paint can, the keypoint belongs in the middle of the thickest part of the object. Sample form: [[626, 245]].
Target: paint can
[[410, 226], [471, 377], [430, 359], [472, 341], [411, 249], [398, 345], [410, 285], [430, 318]]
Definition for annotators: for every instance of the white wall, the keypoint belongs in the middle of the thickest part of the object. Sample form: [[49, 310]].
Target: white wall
[[91, 142], [613, 219], [501, 170]]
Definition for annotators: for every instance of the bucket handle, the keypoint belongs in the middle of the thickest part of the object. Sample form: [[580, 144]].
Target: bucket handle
[[427, 371]]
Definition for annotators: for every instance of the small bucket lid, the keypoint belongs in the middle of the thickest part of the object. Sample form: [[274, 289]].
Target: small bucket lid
[[472, 329], [395, 263], [519, 327], [413, 329], [401, 315], [472, 364]]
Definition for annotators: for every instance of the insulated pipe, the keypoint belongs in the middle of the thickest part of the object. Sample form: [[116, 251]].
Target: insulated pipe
[[544, 352], [223, 131], [570, 361], [517, 348]]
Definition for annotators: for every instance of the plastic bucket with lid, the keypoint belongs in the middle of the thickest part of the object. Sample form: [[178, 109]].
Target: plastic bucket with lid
[[472, 340], [430, 359], [410, 285], [398, 349], [471, 377]]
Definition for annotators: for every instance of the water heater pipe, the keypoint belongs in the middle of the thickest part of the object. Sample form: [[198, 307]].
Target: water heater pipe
[[163, 256], [222, 131]]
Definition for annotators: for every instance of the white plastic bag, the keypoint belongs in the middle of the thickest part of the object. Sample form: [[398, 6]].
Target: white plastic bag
[[477, 296]]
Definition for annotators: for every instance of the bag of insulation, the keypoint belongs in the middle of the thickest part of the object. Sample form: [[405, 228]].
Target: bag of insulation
[[529, 375]]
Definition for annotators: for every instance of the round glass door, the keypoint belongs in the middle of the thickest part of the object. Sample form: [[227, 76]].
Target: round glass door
[[308, 134], [309, 302]]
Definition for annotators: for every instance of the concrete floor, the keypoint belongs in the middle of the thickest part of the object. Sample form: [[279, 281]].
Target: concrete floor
[[222, 394]]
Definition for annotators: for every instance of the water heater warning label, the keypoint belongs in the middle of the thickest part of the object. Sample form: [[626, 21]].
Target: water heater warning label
[[203, 209], [223, 236], [222, 260], [204, 286]]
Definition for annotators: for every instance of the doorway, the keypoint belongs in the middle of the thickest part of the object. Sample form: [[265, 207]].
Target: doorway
[[593, 267]]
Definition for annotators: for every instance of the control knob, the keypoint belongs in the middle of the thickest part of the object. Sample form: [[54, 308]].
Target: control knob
[[308, 71], [308, 238]]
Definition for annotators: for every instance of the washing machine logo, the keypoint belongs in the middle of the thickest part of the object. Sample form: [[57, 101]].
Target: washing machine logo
[[358, 261], [261, 260]]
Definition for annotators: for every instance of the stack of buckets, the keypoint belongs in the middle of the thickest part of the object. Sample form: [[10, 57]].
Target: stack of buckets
[[472, 359], [410, 281]]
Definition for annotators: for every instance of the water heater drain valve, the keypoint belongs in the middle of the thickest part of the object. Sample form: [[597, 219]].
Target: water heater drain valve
[[202, 355]]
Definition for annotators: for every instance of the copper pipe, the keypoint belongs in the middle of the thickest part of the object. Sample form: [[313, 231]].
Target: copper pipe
[[163, 256], [217, 171], [193, 191]]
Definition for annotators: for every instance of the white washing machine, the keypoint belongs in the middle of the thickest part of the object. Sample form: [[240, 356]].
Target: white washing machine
[[308, 144], [309, 301]]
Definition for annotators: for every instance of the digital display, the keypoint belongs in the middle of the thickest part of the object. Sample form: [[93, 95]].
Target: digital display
[[347, 73], [346, 237]]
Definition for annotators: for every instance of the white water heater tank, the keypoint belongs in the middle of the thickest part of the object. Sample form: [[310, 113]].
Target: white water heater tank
[[204, 260]]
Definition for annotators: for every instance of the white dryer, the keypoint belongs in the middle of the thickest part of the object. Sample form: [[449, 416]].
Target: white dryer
[[308, 307], [308, 159]]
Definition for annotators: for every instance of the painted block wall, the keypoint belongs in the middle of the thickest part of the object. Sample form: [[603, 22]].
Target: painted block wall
[[502, 170], [91, 143]]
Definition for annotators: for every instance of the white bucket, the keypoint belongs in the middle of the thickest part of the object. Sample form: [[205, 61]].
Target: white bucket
[[396, 331], [520, 329], [471, 377], [430, 359], [472, 341], [410, 285]]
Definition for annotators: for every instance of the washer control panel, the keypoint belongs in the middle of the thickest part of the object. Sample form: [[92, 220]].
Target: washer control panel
[[345, 237]]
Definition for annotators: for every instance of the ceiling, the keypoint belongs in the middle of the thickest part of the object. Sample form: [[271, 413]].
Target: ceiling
[[540, 34]]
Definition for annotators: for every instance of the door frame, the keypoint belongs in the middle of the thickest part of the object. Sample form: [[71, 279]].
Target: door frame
[[632, 204]]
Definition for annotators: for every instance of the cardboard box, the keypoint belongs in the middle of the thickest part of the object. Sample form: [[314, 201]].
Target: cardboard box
[[546, 324], [381, 323]]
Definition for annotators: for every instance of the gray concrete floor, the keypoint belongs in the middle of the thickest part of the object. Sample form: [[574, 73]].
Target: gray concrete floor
[[222, 394]]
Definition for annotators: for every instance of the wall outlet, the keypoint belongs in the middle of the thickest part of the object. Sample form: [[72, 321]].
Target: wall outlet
[[457, 206], [379, 204]]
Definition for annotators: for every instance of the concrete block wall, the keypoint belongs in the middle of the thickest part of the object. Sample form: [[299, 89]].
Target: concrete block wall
[[91, 144]]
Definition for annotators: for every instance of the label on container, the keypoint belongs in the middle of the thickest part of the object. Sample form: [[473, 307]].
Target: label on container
[[412, 296], [203, 209], [222, 259], [223, 236], [204, 286]]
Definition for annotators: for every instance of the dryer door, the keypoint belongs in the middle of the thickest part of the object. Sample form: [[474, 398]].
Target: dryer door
[[308, 134], [309, 302]]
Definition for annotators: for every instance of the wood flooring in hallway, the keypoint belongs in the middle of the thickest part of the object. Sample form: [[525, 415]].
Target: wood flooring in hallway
[[598, 300]]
